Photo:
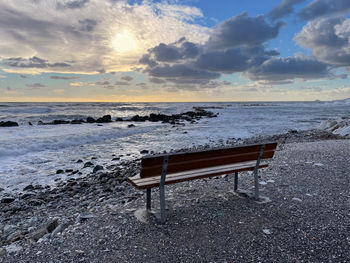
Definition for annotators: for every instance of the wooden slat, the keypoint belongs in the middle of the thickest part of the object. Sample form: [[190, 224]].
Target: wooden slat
[[186, 156], [143, 183], [203, 163]]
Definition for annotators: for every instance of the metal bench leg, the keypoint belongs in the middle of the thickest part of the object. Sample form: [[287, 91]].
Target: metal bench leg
[[148, 199], [256, 178], [236, 182], [162, 190]]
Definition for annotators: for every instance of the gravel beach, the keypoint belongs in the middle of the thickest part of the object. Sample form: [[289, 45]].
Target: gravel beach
[[92, 219]]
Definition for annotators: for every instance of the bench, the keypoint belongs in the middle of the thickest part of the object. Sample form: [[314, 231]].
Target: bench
[[160, 170]]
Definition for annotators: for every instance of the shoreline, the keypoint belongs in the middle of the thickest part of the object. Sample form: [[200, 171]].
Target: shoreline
[[72, 205]]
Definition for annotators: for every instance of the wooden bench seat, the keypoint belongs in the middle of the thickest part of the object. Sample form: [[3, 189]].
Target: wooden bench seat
[[160, 170]]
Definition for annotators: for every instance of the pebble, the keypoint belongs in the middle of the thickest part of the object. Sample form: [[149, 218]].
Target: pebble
[[267, 231]]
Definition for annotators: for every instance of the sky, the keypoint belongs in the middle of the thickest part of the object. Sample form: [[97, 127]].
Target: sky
[[174, 50]]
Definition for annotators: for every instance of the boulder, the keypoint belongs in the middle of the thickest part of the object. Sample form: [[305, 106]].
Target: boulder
[[8, 124], [97, 168], [7, 199], [104, 119], [77, 121], [88, 164], [57, 122], [90, 120]]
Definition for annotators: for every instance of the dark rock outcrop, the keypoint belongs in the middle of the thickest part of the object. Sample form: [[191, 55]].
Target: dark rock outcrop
[[8, 124]]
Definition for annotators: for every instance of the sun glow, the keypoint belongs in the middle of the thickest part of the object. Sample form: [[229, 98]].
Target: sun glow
[[124, 42]]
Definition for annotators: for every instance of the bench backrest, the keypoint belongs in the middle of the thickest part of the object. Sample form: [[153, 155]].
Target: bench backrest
[[179, 162]]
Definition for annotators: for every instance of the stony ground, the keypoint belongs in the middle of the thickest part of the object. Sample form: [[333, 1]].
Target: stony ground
[[92, 220]]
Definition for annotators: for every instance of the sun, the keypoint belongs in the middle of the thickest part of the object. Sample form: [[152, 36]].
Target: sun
[[124, 42]]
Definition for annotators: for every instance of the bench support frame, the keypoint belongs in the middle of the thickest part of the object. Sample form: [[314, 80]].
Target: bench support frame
[[162, 190], [256, 178]]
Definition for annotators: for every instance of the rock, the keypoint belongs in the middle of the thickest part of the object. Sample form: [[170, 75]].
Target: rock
[[79, 161], [104, 119], [144, 152], [90, 120], [57, 122], [88, 164], [14, 237], [267, 231], [97, 168], [8, 124], [30, 124], [2, 252], [7, 199], [131, 125], [116, 159], [119, 119], [297, 199], [13, 248], [41, 123], [48, 228], [69, 170], [28, 188], [77, 121], [60, 171], [84, 217]]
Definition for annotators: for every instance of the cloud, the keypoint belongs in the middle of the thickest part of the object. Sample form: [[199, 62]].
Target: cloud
[[157, 80], [127, 78], [63, 77], [280, 69], [236, 45], [122, 83], [84, 32], [34, 62], [105, 82], [319, 8], [243, 30], [87, 25], [181, 49], [2, 77], [23, 76], [329, 40], [36, 85], [76, 84], [72, 4], [284, 8]]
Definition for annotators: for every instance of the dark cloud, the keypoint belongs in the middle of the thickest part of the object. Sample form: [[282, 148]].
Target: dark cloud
[[147, 60], [318, 8], [329, 40], [182, 73], [102, 83], [182, 49], [87, 25], [36, 85], [122, 83], [157, 80], [276, 69], [284, 8], [127, 78], [72, 4], [63, 77], [34, 62], [101, 71], [228, 61], [243, 30], [236, 45]]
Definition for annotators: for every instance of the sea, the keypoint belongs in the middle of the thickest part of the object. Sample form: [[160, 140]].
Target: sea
[[32, 154]]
